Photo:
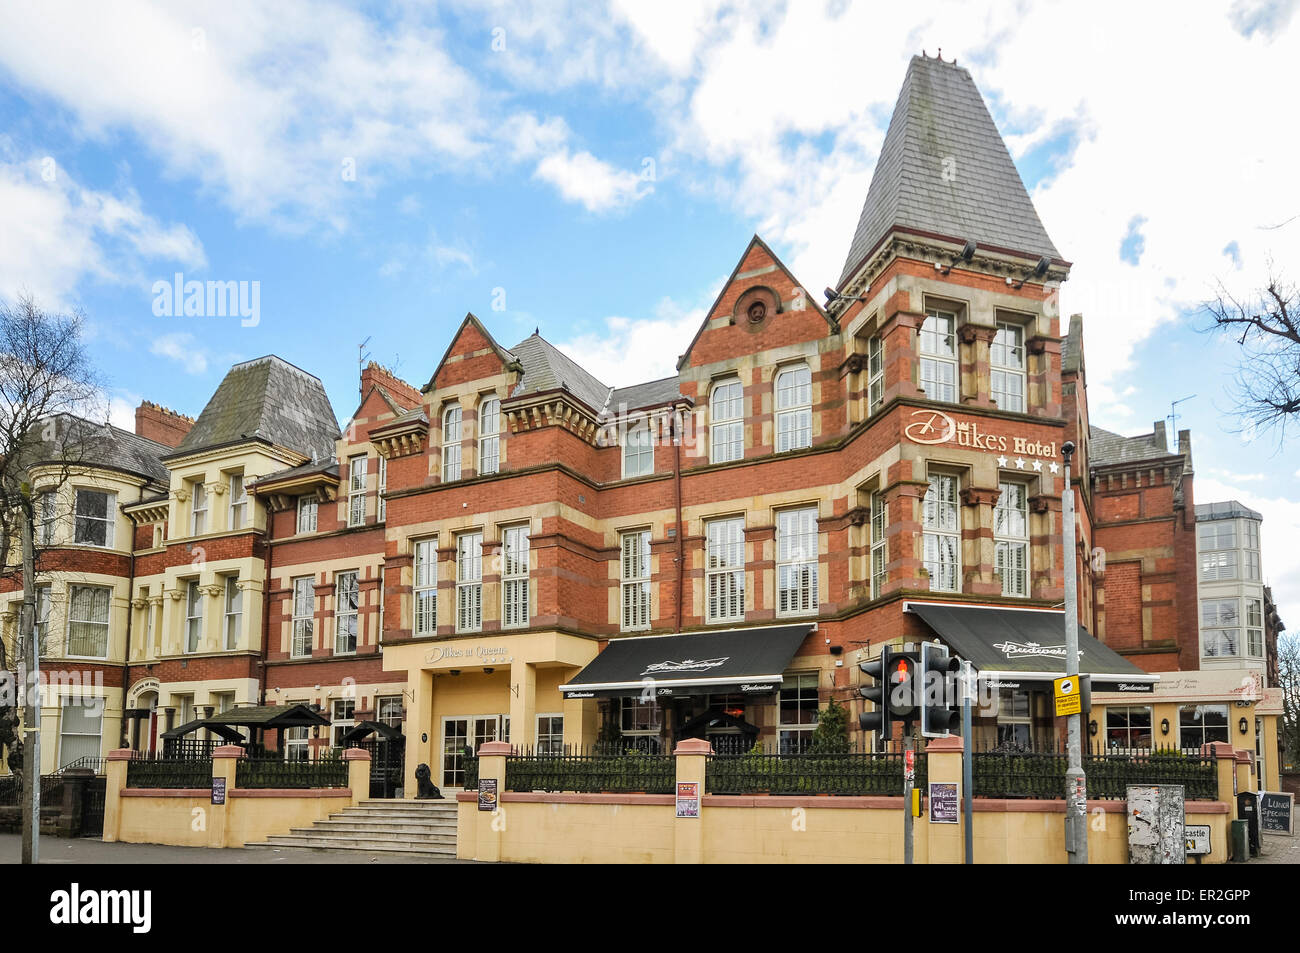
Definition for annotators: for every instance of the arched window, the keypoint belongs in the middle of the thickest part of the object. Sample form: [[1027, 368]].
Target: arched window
[[794, 408], [489, 436], [726, 424], [451, 443]]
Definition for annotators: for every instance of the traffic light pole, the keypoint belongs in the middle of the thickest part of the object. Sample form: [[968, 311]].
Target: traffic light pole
[[909, 763], [1076, 784], [967, 774]]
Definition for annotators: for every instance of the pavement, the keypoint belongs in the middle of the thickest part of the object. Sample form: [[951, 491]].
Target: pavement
[[1278, 849], [61, 850]]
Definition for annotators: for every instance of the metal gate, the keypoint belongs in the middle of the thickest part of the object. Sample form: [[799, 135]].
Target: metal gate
[[387, 765], [92, 807]]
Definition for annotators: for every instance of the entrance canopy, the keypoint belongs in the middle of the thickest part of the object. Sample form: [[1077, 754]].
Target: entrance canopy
[[221, 731], [365, 729], [1027, 645], [747, 661], [267, 716]]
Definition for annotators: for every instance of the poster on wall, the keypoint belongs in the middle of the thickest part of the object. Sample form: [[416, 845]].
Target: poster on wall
[[945, 800], [1276, 812], [688, 798], [487, 794], [218, 790]]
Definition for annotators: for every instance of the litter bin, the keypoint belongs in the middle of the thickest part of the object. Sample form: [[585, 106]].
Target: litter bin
[[1248, 811], [1238, 842]]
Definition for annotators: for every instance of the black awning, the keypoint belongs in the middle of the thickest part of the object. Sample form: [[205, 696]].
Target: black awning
[[1027, 645], [749, 661], [198, 725], [268, 716], [364, 729]]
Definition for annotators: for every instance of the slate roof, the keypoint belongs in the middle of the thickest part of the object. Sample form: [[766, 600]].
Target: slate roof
[[546, 367], [649, 394], [1227, 510], [270, 399], [87, 443], [941, 125], [328, 467], [1107, 447]]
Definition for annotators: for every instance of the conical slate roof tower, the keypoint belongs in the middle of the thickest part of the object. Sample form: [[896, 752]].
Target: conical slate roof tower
[[944, 173]]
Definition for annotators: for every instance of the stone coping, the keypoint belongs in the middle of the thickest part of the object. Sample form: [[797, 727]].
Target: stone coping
[[238, 792]]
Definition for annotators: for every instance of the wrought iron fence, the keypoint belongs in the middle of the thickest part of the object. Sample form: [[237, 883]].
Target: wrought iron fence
[[328, 771], [858, 772], [1020, 772], [157, 772], [598, 771], [11, 790]]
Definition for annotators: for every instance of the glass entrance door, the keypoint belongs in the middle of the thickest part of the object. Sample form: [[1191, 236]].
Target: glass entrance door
[[455, 736], [490, 728]]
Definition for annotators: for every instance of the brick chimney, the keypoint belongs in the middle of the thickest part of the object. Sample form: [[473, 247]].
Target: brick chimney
[[161, 424], [402, 392]]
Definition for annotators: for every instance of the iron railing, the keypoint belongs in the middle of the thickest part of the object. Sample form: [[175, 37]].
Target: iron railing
[[862, 773], [11, 790], [1016, 772], [156, 772], [275, 772], [596, 772]]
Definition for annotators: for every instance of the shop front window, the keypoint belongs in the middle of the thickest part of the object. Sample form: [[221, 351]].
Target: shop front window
[[1015, 728], [798, 712], [1128, 727], [1201, 724], [641, 724]]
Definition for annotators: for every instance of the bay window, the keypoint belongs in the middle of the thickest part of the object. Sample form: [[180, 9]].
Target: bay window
[[95, 514]]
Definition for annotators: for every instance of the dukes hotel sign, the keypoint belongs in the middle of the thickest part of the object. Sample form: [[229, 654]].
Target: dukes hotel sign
[[931, 427]]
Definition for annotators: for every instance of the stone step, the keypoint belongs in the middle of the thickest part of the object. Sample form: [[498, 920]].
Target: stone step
[[421, 816], [367, 843], [410, 830], [447, 805], [377, 833]]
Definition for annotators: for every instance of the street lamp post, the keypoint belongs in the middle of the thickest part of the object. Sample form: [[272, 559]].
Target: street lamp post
[[1076, 785]]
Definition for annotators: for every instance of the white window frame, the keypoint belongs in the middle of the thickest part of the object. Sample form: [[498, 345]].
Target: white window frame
[[303, 615], [941, 523], [514, 576], [1220, 630], [452, 419], [724, 570], [102, 626], [634, 580], [1200, 729], [1128, 728], [193, 616], [109, 519], [347, 611], [87, 704], [234, 612], [198, 508], [1011, 537], [48, 506], [875, 374], [238, 501], [308, 504], [297, 741], [793, 388], [1254, 628], [879, 546], [41, 624], [1219, 566], [727, 421], [939, 356], [638, 450], [794, 737], [550, 733], [381, 504], [358, 469], [424, 593], [1007, 367], [383, 702], [469, 582], [797, 561], [489, 436], [343, 715]]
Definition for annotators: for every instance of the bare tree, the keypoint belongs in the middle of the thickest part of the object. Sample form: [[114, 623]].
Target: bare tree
[[48, 390], [1266, 327], [1288, 679]]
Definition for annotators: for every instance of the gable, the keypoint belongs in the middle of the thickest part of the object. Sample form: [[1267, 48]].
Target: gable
[[761, 306], [472, 355]]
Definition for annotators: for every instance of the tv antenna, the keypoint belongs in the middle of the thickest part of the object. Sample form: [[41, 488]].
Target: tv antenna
[[362, 354], [1174, 415]]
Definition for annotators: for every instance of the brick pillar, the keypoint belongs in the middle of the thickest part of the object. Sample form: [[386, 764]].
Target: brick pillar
[[944, 763], [1225, 770], [489, 825], [523, 703], [115, 780], [358, 762], [1245, 770], [688, 832], [419, 728], [224, 760]]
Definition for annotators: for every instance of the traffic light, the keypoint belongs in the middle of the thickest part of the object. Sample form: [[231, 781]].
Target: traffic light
[[902, 677], [940, 711], [878, 720]]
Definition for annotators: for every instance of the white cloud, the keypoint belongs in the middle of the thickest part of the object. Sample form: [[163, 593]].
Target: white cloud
[[182, 347], [634, 350], [598, 186], [57, 233]]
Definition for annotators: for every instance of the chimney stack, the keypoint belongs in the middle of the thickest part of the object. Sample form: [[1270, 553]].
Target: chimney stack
[[402, 392], [161, 424]]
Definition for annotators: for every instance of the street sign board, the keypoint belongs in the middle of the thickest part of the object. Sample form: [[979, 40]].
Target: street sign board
[[1197, 837], [1276, 812], [1069, 700]]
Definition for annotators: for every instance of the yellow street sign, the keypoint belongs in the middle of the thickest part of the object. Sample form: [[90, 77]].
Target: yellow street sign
[[1065, 690]]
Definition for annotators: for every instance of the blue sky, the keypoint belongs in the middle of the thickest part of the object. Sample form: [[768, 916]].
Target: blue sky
[[600, 171]]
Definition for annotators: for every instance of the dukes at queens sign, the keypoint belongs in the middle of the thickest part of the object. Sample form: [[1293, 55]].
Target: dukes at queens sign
[[932, 427]]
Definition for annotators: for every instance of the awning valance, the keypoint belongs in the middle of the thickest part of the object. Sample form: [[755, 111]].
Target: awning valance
[[748, 661], [1027, 645]]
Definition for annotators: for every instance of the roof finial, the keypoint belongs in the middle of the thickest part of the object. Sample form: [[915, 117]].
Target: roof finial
[[537, 330], [939, 55]]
